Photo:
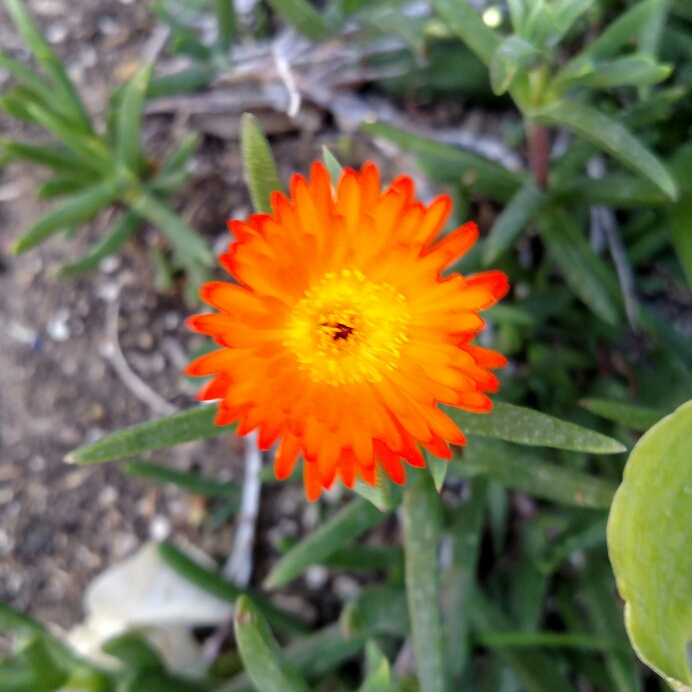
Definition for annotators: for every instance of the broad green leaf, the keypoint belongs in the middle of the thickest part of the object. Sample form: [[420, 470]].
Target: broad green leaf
[[314, 656], [456, 580], [130, 119], [66, 92], [261, 654], [214, 582], [134, 651], [225, 21], [512, 56], [536, 671], [421, 519], [189, 246], [333, 166], [648, 542], [533, 475], [258, 163], [349, 523], [610, 136], [636, 417], [188, 481], [377, 610], [302, 16], [528, 427], [78, 209], [585, 273], [464, 21], [192, 424], [121, 232], [510, 224], [482, 175]]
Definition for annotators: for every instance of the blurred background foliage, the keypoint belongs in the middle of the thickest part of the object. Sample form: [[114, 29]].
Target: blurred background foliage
[[502, 579]]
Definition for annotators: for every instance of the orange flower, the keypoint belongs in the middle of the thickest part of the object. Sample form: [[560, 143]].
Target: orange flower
[[342, 336]]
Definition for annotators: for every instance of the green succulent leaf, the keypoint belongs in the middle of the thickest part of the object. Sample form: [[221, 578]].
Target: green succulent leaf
[[610, 136], [349, 523], [303, 17], [130, 119], [422, 522], [258, 163], [512, 56], [528, 427], [512, 221], [192, 424], [638, 418], [648, 542], [265, 662]]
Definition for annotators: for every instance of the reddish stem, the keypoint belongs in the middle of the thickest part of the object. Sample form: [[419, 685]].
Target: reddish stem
[[538, 139]]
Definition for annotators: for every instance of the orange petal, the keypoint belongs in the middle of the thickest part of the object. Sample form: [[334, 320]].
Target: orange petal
[[286, 456]]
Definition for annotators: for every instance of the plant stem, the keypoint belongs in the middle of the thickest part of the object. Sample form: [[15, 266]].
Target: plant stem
[[538, 139]]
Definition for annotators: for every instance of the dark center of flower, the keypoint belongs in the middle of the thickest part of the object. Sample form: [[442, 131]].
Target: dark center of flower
[[339, 330]]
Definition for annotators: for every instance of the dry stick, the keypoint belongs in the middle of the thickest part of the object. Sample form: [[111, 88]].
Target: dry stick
[[238, 567], [111, 351]]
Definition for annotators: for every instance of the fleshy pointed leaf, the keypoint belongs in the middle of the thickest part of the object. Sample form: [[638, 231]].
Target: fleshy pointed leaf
[[130, 119], [512, 56], [464, 21], [258, 163], [215, 583], [533, 475], [261, 654], [528, 427], [375, 611], [349, 523], [422, 517], [333, 166], [585, 273], [303, 17], [185, 480], [648, 542], [79, 208], [121, 232], [192, 424], [610, 136], [510, 224], [636, 417]]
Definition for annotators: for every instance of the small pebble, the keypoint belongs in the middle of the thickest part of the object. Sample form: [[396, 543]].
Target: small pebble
[[107, 496], [346, 587], [108, 265], [316, 577], [57, 325], [55, 33], [170, 321], [159, 528]]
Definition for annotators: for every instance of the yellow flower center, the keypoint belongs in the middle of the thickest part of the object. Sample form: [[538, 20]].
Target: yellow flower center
[[348, 329]]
